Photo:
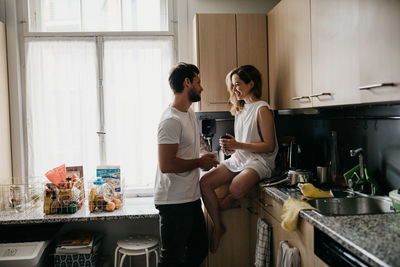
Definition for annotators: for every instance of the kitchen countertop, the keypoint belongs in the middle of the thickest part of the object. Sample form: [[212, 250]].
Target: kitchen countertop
[[133, 208], [373, 238]]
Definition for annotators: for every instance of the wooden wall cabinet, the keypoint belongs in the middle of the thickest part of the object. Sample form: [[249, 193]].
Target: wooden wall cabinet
[[354, 45], [5, 139], [289, 50], [222, 43], [335, 57], [379, 48]]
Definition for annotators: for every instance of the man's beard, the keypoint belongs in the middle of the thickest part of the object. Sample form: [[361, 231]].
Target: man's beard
[[193, 97]]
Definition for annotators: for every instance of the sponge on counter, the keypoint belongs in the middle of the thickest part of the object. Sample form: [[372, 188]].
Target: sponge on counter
[[309, 190], [290, 213]]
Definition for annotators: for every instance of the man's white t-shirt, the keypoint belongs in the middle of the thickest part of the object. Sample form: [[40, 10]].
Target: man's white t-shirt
[[177, 127]]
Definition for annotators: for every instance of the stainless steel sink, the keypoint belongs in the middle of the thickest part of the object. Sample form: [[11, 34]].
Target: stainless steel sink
[[352, 206]]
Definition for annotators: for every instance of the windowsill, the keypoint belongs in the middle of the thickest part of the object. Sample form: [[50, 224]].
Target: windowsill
[[133, 208], [131, 192]]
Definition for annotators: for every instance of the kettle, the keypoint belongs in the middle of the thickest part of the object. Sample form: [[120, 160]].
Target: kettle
[[294, 151]]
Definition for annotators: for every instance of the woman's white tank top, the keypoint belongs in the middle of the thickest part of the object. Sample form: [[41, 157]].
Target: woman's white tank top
[[246, 130]]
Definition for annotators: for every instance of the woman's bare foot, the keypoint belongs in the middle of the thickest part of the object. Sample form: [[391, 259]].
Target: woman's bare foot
[[218, 233]]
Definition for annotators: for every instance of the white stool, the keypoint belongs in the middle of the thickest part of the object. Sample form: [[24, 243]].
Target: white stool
[[136, 245]]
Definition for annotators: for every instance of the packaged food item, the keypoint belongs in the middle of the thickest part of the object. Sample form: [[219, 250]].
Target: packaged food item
[[57, 175], [117, 203], [112, 176], [66, 192], [92, 196], [102, 197]]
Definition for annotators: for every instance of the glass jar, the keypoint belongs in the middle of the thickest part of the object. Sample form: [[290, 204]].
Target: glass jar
[[17, 197]]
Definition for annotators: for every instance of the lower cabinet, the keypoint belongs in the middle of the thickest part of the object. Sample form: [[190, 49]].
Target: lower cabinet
[[270, 211], [254, 214], [233, 250], [237, 247]]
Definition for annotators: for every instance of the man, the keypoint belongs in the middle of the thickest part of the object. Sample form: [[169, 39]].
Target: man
[[177, 192]]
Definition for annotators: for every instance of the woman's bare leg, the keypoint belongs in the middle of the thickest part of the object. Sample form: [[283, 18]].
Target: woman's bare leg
[[240, 186], [208, 183], [243, 183]]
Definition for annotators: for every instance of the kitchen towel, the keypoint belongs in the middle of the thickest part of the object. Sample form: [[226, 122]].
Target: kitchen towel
[[263, 245], [287, 256], [310, 191], [290, 213]]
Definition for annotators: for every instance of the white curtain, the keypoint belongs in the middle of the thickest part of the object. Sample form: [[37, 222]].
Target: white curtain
[[136, 92], [61, 105]]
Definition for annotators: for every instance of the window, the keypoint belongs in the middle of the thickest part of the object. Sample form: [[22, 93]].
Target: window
[[95, 89], [97, 15]]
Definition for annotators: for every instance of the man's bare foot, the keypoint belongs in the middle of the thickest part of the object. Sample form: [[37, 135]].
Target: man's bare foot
[[218, 233]]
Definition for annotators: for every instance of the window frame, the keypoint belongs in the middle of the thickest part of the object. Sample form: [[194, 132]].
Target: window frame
[[99, 36], [27, 33]]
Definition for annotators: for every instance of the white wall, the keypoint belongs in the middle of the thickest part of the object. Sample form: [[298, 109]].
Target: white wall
[[2, 11], [187, 9]]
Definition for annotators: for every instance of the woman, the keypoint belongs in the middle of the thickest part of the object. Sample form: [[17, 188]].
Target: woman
[[253, 148]]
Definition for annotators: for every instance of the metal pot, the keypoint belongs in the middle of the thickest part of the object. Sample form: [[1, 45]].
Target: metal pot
[[295, 177]]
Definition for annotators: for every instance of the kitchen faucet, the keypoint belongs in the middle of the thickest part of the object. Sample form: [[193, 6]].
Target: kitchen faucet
[[359, 152]]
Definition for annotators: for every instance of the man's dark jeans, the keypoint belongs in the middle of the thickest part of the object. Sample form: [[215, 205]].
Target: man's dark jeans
[[183, 233]]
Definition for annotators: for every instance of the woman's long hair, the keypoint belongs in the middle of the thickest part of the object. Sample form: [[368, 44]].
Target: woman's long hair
[[246, 73]]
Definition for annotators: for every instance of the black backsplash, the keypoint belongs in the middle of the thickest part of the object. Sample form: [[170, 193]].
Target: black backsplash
[[375, 128]]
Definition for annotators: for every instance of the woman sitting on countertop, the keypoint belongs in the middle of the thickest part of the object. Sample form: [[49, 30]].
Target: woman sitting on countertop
[[253, 148]]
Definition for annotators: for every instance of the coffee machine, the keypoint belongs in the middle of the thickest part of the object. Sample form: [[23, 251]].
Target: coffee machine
[[208, 128]]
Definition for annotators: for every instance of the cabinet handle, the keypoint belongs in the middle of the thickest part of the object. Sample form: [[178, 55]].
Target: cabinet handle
[[367, 87], [250, 209], [301, 97], [264, 204], [217, 103], [321, 94]]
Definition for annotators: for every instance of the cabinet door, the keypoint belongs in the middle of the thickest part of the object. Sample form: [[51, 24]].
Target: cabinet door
[[5, 141], [251, 31], [254, 211], [289, 53], [233, 249], [276, 233], [216, 56], [303, 238], [335, 55], [380, 49]]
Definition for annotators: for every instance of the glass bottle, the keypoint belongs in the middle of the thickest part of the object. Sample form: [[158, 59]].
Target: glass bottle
[[336, 173]]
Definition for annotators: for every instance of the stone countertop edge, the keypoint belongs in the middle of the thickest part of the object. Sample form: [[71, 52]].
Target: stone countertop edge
[[371, 237], [133, 208]]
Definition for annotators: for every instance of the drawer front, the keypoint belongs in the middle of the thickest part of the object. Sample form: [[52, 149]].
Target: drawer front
[[271, 206]]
